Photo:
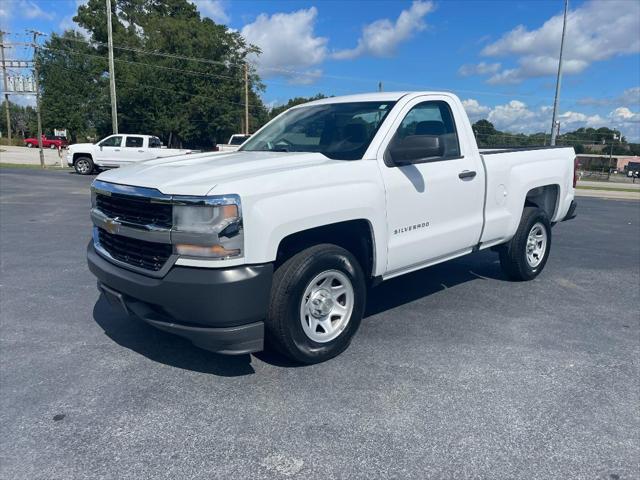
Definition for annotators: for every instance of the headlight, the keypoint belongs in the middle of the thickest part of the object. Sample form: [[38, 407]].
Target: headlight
[[210, 227]]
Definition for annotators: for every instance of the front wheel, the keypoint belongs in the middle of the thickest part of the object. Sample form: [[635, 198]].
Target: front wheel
[[83, 165], [317, 302], [526, 254]]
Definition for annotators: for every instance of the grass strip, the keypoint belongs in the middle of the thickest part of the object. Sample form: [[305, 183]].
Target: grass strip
[[610, 189]]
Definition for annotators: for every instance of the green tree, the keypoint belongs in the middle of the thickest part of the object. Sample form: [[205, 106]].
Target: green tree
[[275, 111], [23, 120], [75, 90], [161, 88]]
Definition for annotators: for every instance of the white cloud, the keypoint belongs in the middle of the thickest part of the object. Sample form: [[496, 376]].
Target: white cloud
[[4, 12], [631, 96], [627, 121], [213, 9], [624, 115], [32, 11], [382, 37], [481, 68], [596, 31], [517, 117], [288, 43], [514, 116], [474, 109], [67, 23], [306, 78]]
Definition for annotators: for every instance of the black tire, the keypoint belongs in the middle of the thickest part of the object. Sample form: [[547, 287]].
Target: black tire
[[84, 166], [284, 330], [513, 254]]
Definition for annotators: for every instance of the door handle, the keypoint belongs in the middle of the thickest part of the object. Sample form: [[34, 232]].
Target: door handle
[[140, 151], [117, 150], [466, 174]]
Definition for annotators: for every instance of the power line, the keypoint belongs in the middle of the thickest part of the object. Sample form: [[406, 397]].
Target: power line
[[169, 90], [156, 53], [131, 62]]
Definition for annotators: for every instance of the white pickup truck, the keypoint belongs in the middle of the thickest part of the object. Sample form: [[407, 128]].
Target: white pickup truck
[[234, 143], [117, 151], [282, 239]]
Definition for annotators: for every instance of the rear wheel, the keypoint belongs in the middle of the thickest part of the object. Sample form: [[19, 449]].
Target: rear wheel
[[317, 303], [526, 254], [83, 165]]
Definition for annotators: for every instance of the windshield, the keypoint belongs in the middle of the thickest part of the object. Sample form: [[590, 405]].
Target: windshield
[[341, 131], [237, 139]]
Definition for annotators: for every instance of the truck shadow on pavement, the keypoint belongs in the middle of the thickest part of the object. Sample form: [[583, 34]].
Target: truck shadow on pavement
[[174, 351], [162, 347], [427, 281]]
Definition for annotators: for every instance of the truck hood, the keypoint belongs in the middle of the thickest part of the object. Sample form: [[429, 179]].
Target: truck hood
[[80, 146], [198, 174]]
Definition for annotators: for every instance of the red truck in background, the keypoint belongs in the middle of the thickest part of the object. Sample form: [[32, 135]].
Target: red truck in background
[[47, 142]]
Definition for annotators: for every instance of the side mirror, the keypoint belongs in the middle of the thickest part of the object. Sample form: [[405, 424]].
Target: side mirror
[[414, 149], [100, 147]]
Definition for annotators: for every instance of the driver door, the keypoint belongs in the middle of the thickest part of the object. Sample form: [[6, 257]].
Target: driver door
[[435, 195]]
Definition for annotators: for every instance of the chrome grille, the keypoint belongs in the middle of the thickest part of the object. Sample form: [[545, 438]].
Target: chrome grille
[[135, 210]]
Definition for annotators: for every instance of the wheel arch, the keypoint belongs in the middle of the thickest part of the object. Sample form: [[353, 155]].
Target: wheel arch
[[545, 197], [78, 155], [356, 236]]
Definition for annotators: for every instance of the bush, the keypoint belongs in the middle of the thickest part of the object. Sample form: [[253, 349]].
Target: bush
[[15, 141]]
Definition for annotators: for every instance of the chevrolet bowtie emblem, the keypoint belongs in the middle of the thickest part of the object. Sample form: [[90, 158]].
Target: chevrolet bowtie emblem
[[112, 225]]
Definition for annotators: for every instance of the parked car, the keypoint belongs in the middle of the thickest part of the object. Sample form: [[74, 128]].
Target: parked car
[[47, 142], [233, 144], [281, 239], [117, 151]]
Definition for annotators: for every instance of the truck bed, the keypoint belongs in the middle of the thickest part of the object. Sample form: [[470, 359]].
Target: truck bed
[[490, 151]]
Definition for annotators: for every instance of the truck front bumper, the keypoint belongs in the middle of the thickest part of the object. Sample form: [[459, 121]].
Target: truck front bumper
[[221, 310]]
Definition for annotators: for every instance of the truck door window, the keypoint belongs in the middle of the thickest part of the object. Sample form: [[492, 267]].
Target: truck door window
[[154, 142], [431, 119], [134, 142], [115, 141]]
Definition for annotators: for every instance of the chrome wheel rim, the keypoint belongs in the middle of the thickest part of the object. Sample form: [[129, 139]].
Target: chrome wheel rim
[[326, 306], [83, 166], [536, 244]]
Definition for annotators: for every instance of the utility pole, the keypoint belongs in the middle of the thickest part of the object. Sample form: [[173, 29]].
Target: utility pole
[[6, 95], [112, 73], [379, 86], [613, 138], [559, 78], [246, 99], [37, 85]]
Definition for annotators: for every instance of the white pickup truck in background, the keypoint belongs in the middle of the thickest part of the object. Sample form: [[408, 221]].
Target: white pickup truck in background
[[234, 143], [282, 239], [117, 151]]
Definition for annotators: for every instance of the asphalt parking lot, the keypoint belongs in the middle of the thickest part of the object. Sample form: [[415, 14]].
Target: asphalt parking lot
[[455, 372]]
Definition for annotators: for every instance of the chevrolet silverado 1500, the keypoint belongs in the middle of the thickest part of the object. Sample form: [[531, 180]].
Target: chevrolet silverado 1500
[[281, 240]]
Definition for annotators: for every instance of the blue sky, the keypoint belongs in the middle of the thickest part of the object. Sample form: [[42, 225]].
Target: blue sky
[[500, 57]]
